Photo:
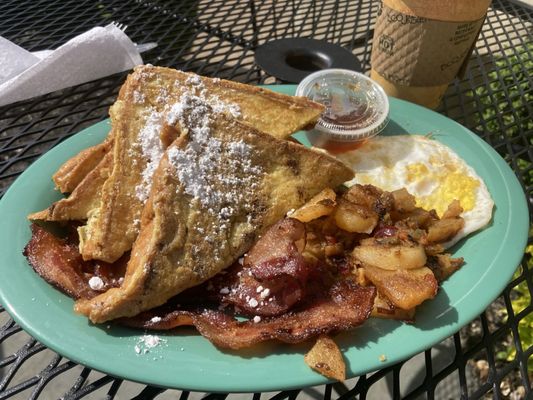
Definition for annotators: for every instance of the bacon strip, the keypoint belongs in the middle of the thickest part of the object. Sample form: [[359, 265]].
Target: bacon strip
[[274, 276], [58, 262], [347, 306], [329, 305]]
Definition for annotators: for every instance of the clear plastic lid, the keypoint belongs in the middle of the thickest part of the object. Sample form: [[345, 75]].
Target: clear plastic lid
[[357, 108]]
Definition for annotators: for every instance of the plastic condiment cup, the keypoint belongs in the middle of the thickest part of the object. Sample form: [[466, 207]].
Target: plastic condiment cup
[[357, 108]]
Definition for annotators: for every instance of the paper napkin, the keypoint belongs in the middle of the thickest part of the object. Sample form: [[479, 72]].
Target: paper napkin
[[99, 52]]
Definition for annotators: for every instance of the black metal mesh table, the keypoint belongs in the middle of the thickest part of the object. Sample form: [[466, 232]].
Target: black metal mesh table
[[487, 358]]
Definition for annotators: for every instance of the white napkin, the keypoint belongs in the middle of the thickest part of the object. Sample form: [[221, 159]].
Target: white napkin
[[14, 60], [94, 54]]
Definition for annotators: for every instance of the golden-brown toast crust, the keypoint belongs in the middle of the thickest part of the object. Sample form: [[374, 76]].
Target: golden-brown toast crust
[[261, 107], [141, 109], [184, 242], [274, 113], [72, 172], [111, 228], [83, 200]]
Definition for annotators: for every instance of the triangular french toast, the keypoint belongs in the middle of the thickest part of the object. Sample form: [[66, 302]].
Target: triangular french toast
[[84, 198], [261, 107], [142, 130], [218, 187], [74, 170]]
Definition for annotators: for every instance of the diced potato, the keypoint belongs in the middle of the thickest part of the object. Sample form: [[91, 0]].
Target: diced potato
[[391, 257], [354, 218], [447, 266], [384, 309], [360, 277], [405, 289], [444, 230], [326, 358], [368, 242], [333, 247], [365, 196], [314, 245], [321, 205], [403, 201], [434, 249], [419, 217], [454, 210]]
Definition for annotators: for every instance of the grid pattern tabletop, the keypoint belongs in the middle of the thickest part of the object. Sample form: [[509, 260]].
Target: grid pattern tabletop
[[487, 358]]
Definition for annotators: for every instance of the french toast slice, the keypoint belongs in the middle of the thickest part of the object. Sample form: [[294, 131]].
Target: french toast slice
[[140, 120], [217, 188], [84, 198], [277, 114], [261, 108], [74, 170]]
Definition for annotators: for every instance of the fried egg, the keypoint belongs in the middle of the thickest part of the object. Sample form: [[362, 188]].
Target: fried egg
[[429, 170]]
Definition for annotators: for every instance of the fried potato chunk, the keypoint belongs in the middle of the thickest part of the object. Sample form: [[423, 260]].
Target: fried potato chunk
[[454, 210], [445, 229], [384, 309], [404, 288], [391, 257], [354, 217], [319, 206], [326, 358], [403, 201], [445, 266]]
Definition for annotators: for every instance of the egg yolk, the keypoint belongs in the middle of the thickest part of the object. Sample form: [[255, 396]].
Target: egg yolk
[[452, 185]]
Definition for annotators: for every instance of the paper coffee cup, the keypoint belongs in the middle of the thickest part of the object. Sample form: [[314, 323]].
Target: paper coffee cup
[[420, 46]]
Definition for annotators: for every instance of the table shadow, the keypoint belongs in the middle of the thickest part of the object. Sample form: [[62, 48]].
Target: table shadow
[[393, 129], [436, 313]]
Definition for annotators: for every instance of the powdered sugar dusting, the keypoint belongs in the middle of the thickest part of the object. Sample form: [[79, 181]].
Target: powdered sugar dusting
[[96, 283], [149, 136], [218, 174], [148, 342], [195, 165], [152, 150], [138, 97]]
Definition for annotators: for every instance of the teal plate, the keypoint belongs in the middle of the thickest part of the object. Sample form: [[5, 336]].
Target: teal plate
[[185, 360]]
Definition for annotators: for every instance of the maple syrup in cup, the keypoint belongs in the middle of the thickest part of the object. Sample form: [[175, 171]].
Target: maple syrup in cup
[[357, 108]]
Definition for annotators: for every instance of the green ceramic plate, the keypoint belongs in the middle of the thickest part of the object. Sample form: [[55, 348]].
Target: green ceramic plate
[[187, 361]]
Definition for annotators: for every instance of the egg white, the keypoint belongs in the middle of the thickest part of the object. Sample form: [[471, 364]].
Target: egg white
[[427, 169]]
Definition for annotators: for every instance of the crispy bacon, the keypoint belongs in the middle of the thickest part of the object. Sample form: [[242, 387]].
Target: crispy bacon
[[331, 303], [58, 261], [345, 306], [275, 273], [277, 245]]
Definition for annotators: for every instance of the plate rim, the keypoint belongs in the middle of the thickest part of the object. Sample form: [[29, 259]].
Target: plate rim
[[310, 380]]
